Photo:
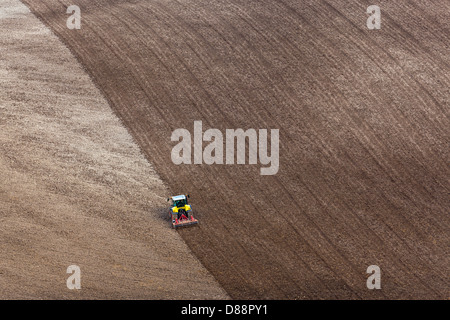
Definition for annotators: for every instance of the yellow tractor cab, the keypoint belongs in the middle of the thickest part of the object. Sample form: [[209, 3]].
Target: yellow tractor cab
[[181, 212]]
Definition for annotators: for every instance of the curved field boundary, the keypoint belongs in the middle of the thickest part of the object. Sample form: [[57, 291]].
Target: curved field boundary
[[75, 188]]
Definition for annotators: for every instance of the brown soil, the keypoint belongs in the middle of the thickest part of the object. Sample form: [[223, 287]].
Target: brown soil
[[74, 187], [363, 118]]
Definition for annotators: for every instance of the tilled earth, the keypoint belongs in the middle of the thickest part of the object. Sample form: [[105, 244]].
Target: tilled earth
[[75, 188], [364, 133]]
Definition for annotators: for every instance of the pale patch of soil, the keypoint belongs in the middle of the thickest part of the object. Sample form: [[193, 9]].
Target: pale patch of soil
[[74, 187]]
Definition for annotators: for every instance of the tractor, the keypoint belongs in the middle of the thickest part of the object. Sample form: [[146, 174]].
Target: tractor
[[181, 212]]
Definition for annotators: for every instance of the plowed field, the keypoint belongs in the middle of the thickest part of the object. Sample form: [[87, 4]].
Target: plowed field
[[364, 133]]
